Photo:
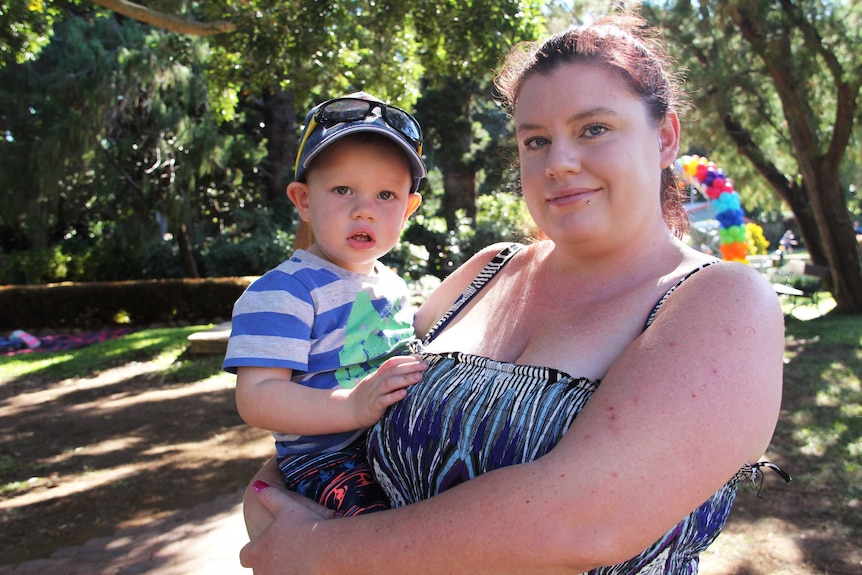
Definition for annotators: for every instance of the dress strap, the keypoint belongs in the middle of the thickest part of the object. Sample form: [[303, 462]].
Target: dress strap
[[658, 305], [487, 273]]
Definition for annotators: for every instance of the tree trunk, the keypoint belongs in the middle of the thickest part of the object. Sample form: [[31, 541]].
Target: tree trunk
[[166, 21], [190, 268], [446, 116], [820, 208], [279, 117], [836, 239], [459, 190]]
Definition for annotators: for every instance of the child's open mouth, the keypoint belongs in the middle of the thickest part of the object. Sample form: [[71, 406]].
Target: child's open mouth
[[361, 237]]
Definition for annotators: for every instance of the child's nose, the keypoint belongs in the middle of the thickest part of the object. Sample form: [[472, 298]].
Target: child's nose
[[364, 209]]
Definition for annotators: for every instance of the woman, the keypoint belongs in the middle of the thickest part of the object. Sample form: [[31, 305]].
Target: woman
[[631, 462]]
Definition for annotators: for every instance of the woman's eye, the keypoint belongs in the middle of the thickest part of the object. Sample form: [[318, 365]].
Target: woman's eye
[[535, 142], [342, 190], [386, 195], [594, 130]]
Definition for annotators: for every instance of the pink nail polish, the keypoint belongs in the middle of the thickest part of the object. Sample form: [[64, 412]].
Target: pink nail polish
[[259, 485]]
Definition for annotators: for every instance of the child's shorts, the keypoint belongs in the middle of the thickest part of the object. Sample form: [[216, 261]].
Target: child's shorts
[[340, 480]]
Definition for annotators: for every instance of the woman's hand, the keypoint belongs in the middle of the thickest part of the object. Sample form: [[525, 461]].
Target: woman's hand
[[271, 514]]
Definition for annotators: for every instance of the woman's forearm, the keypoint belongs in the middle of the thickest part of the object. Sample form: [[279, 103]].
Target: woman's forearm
[[478, 532]]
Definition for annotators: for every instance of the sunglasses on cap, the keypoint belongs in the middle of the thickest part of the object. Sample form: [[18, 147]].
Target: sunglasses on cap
[[340, 110]]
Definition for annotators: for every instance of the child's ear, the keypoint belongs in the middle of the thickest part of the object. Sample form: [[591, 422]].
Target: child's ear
[[413, 202], [297, 192]]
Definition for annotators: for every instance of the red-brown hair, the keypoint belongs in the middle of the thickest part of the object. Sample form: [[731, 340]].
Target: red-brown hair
[[624, 44]]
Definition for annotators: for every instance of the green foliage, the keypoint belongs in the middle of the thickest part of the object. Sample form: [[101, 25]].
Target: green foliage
[[131, 164], [25, 28], [502, 217], [429, 248], [101, 261], [44, 265], [250, 255], [805, 284], [7, 464], [477, 34], [314, 50]]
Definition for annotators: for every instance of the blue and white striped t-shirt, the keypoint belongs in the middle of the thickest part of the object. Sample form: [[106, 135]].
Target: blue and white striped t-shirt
[[329, 325]]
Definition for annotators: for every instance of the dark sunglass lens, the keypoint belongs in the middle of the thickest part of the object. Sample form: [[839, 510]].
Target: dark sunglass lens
[[345, 110], [402, 122]]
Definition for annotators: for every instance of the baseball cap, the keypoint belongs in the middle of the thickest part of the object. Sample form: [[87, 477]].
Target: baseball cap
[[355, 113]]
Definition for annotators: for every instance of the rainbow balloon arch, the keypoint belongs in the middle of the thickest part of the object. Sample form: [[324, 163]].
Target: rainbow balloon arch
[[718, 188]]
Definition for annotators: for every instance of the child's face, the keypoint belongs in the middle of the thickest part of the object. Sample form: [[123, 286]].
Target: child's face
[[357, 198]]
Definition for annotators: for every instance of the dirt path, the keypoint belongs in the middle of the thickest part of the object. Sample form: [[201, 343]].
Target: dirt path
[[126, 447]]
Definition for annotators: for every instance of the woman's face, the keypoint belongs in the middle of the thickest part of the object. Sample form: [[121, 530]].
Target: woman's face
[[591, 157]]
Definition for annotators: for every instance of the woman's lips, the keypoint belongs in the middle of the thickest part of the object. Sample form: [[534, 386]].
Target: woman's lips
[[571, 196]]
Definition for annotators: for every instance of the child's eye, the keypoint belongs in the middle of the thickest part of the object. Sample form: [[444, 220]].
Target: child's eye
[[386, 195], [535, 142], [342, 190], [595, 130]]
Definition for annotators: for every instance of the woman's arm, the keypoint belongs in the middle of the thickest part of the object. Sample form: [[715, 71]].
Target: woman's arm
[[682, 409]]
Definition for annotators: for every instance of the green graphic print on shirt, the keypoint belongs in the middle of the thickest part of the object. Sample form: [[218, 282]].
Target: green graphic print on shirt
[[373, 336]]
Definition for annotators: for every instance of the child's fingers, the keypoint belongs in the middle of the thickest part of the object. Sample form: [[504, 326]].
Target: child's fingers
[[401, 361]]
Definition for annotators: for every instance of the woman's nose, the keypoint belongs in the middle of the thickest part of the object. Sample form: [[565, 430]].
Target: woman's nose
[[562, 159]]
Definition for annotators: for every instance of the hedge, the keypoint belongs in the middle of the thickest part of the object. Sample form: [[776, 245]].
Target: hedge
[[73, 306]]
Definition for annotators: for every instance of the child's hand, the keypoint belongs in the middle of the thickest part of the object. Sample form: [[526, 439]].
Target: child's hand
[[377, 391]]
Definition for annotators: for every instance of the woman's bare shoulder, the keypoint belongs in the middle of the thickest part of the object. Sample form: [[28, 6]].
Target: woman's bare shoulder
[[717, 286], [454, 285]]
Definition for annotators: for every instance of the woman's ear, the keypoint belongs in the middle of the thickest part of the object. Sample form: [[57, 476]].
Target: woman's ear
[[668, 139], [297, 192]]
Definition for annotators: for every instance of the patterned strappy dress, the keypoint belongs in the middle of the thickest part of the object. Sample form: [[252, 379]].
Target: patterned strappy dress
[[471, 415]]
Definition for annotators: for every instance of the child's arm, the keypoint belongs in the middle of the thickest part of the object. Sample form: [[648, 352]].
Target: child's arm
[[267, 398]]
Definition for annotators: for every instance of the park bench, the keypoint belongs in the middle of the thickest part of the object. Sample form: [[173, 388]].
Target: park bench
[[806, 290], [210, 342]]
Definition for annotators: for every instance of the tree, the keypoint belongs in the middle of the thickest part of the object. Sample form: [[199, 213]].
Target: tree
[[263, 62], [50, 109], [109, 134], [283, 57], [789, 108], [376, 46], [459, 66], [25, 28]]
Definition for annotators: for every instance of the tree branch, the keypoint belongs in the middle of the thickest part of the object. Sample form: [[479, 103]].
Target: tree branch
[[813, 40], [749, 148], [847, 92], [775, 51], [121, 170], [165, 21]]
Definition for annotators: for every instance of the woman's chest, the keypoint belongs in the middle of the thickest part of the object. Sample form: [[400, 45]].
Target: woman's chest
[[577, 338]]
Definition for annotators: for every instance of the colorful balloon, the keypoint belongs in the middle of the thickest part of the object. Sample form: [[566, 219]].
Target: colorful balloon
[[719, 189]]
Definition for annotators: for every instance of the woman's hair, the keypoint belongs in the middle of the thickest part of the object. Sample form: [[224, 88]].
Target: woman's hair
[[624, 44]]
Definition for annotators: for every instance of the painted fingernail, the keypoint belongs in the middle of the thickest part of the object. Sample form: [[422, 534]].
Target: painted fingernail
[[259, 485]]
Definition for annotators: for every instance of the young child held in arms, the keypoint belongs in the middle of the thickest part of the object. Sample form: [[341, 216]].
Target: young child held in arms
[[318, 343]]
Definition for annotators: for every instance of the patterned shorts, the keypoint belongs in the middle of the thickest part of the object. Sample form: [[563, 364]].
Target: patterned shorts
[[340, 480]]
